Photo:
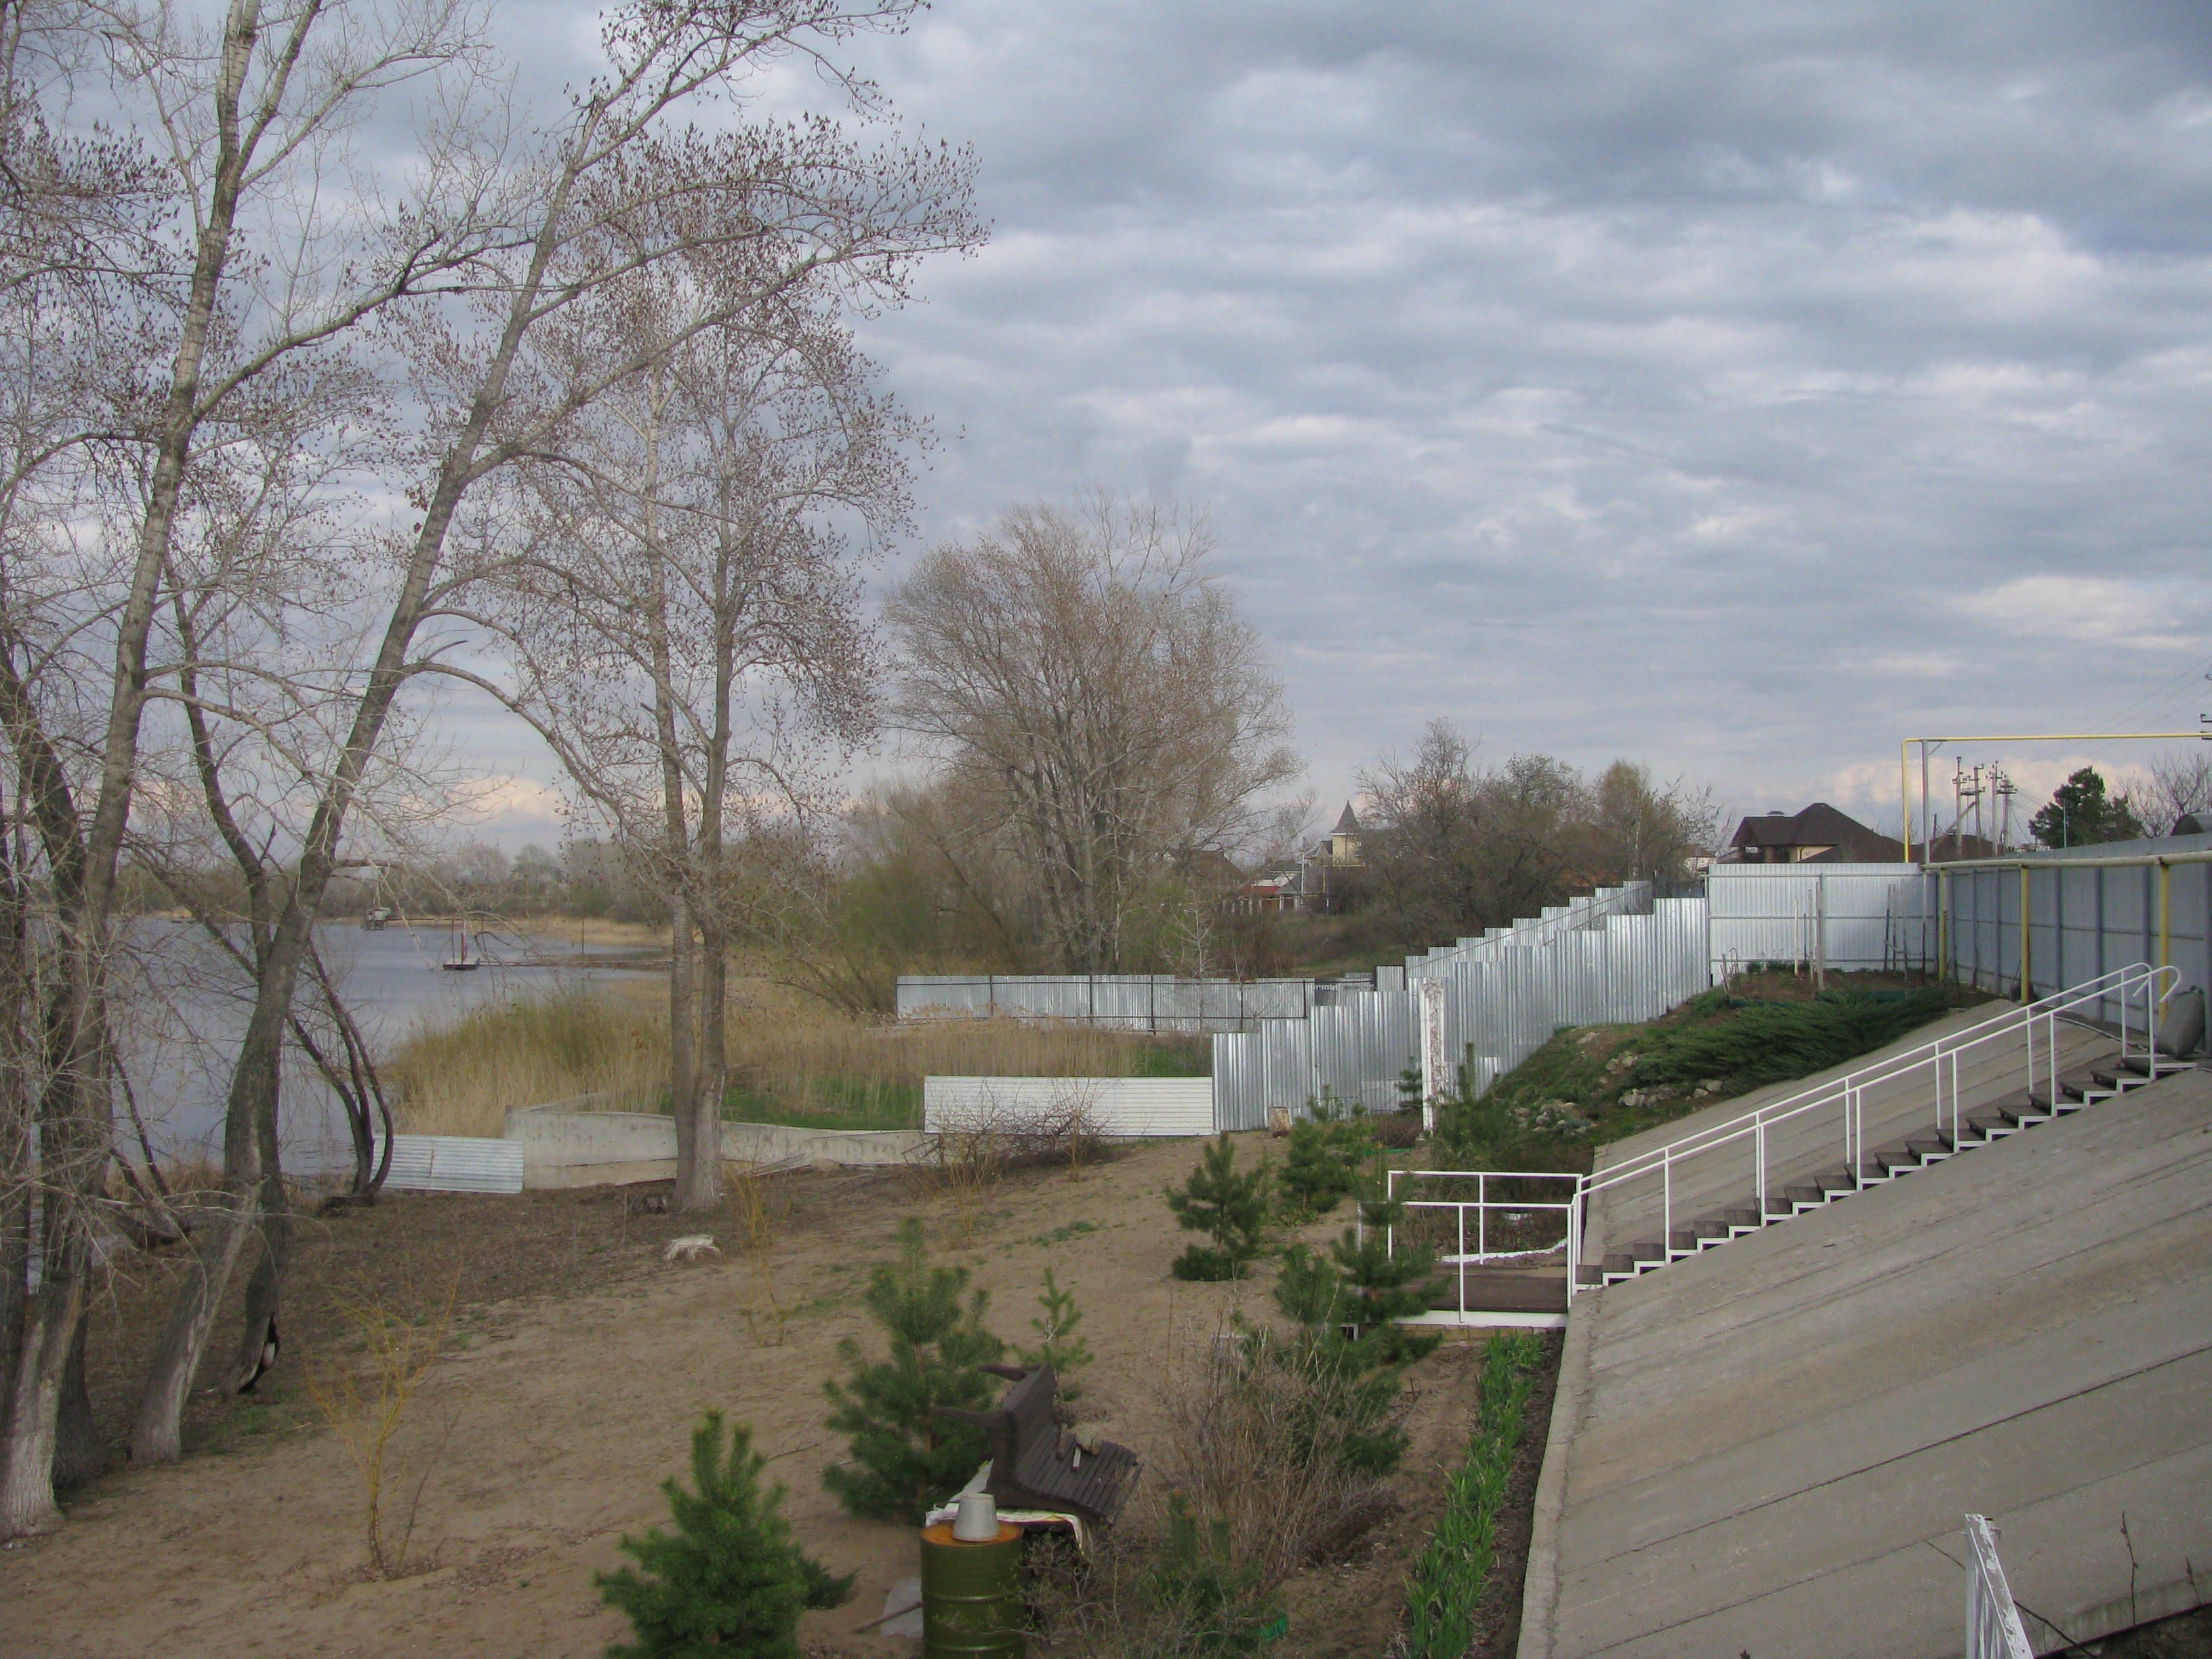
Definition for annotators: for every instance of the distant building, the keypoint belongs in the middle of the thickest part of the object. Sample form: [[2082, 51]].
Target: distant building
[[1304, 883], [1818, 834]]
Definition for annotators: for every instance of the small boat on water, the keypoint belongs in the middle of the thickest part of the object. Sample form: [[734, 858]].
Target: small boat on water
[[462, 956]]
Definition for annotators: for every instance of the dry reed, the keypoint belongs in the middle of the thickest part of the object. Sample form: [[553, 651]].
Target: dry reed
[[793, 1061], [753, 1206], [463, 1078]]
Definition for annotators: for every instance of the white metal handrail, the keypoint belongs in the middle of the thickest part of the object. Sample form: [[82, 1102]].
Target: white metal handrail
[[1482, 1204], [1993, 1626], [1847, 1095]]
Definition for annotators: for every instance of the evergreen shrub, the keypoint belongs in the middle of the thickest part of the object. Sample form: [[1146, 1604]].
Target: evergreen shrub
[[729, 1581]]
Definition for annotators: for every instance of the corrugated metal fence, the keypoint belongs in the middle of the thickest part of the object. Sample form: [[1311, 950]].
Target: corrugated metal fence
[[1618, 956], [1854, 916], [2082, 922], [1125, 1002]]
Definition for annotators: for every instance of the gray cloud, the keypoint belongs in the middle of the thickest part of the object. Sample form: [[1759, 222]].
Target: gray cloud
[[1737, 386]]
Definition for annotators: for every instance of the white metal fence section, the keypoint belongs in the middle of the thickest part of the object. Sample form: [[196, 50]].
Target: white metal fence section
[[1505, 994], [1842, 916], [2135, 991], [1126, 1002], [1993, 1626], [1116, 1106]]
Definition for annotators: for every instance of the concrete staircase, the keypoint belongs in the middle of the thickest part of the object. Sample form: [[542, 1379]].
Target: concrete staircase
[[2011, 1114], [1707, 1185]]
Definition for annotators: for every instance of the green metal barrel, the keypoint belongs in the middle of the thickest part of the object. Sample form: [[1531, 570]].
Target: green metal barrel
[[971, 1595]]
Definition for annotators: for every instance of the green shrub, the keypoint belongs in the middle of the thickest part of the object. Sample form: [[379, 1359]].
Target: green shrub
[[1230, 1208], [1321, 1164], [729, 1580], [903, 1457], [1773, 1042]]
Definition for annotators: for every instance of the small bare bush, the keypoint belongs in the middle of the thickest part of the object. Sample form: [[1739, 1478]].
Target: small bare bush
[[965, 1167], [1256, 1488], [754, 1208], [1260, 1436], [402, 1335]]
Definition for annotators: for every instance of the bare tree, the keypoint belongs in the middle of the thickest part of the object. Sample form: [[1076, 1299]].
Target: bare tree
[[2180, 785], [1088, 672], [689, 632], [1453, 848]]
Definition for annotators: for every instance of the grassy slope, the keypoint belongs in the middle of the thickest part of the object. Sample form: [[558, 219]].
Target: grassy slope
[[1592, 1084]]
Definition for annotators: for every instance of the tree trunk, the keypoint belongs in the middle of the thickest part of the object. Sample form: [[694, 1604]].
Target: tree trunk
[[78, 1455], [26, 1459], [157, 1432], [698, 1137], [265, 1291]]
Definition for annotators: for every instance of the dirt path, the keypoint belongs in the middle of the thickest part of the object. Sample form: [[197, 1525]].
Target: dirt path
[[558, 1418]]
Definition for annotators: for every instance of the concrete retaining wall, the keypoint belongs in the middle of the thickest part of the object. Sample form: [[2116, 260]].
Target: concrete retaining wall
[[562, 1148]]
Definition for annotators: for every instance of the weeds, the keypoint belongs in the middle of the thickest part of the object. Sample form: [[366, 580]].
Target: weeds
[[366, 1406], [752, 1209], [1449, 1578], [965, 1168]]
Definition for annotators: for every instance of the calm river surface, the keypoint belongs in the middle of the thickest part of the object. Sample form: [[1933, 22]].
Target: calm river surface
[[194, 1009]]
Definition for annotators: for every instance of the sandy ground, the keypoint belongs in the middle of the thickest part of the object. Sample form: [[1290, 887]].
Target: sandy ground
[[557, 1417]]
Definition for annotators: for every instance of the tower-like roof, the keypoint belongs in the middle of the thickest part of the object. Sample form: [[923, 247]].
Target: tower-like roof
[[1348, 824]]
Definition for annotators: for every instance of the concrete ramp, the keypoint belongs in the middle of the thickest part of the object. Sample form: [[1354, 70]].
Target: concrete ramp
[[1768, 1448]]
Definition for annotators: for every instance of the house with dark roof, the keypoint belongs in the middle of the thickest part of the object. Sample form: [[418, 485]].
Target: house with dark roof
[[1818, 834]]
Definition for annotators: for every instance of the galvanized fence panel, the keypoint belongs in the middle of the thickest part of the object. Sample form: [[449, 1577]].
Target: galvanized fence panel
[[1504, 997], [1127, 1002], [1851, 917]]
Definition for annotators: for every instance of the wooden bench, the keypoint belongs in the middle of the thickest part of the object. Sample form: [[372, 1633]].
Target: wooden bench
[[1036, 1464]]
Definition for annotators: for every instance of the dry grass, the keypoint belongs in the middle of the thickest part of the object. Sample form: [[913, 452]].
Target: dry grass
[[463, 1078], [789, 1062]]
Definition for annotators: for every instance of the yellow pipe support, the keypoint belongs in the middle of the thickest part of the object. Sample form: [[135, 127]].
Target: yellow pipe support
[[2165, 913], [1943, 926]]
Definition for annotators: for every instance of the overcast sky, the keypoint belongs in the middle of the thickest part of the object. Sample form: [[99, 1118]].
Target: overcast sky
[[1737, 386]]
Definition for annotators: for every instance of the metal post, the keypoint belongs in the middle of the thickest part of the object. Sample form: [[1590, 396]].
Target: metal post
[[2026, 983]]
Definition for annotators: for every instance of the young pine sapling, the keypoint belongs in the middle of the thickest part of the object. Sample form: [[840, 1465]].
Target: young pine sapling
[[904, 1456], [1230, 1208]]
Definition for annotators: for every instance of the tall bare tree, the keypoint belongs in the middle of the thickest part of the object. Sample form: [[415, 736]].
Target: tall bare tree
[[1090, 671], [618, 187], [687, 630]]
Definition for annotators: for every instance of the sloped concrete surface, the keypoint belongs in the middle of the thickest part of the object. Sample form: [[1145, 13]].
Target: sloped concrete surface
[[1768, 1448]]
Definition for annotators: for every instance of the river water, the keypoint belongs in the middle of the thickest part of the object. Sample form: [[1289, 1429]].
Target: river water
[[190, 1009]]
